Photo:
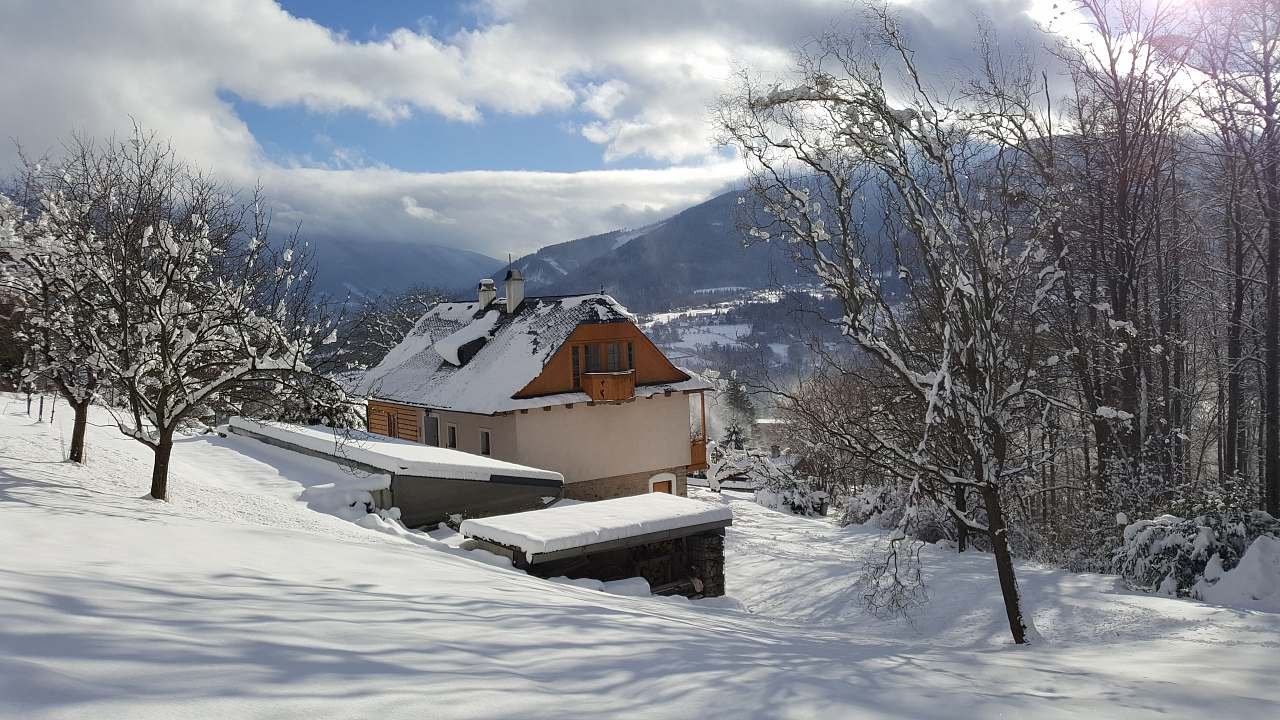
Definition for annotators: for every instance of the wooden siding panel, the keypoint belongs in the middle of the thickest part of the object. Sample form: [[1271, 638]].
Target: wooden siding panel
[[406, 420], [651, 366]]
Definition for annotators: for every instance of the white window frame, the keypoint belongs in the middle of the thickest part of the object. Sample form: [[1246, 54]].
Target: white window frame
[[481, 436]]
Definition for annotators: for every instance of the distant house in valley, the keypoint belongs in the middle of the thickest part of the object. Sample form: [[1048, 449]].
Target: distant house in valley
[[566, 383]]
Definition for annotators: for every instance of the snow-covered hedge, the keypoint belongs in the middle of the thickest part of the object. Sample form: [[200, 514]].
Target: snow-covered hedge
[[1183, 557]]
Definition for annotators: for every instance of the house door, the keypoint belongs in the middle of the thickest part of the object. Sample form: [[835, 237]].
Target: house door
[[663, 482]]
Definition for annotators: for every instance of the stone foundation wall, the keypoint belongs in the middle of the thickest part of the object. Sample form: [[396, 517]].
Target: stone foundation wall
[[692, 566], [623, 485]]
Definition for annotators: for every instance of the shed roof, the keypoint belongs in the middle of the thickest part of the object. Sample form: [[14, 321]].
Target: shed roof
[[470, 358], [572, 526]]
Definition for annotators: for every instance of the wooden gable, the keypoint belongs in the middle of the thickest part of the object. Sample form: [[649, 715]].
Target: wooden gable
[[634, 351]]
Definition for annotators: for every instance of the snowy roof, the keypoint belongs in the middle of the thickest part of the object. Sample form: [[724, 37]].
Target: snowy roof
[[461, 356], [572, 526], [395, 456]]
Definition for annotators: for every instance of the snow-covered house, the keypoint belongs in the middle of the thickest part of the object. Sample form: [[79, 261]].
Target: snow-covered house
[[566, 383]]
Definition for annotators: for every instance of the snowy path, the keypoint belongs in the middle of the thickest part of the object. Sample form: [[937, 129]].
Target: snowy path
[[235, 600]]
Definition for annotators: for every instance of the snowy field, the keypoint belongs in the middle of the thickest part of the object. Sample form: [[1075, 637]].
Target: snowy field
[[702, 335], [237, 599]]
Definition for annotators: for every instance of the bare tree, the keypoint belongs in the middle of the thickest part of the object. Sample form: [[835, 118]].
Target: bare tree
[[965, 334], [365, 336], [1237, 46]]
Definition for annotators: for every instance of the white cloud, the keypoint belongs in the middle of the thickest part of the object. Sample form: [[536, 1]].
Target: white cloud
[[414, 210], [603, 98], [646, 72], [495, 212]]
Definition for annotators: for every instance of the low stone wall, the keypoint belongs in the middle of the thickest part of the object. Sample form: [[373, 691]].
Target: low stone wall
[[624, 485]]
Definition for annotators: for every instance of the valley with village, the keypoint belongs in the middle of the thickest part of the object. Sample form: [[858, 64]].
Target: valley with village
[[885, 360]]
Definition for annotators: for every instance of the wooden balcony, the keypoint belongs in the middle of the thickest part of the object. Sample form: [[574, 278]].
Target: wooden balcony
[[610, 386], [697, 454]]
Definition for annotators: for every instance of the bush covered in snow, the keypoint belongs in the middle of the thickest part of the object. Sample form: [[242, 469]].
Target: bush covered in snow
[[1253, 583], [782, 488], [883, 506], [796, 496], [1181, 557]]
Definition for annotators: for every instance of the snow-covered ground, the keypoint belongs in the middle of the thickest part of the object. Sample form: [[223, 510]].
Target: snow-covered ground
[[238, 600], [727, 334]]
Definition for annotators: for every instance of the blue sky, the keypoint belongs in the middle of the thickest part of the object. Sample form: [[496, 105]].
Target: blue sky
[[423, 143], [430, 143]]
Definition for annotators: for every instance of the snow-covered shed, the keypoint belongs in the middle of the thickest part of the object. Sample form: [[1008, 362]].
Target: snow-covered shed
[[428, 484], [565, 382], [674, 543]]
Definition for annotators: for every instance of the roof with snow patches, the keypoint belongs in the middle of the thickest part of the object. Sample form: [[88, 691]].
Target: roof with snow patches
[[465, 357]]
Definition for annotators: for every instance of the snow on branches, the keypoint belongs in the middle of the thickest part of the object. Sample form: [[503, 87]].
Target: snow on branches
[[863, 191], [169, 291]]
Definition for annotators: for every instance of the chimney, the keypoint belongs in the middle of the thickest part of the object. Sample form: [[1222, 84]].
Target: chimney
[[488, 293], [515, 289]]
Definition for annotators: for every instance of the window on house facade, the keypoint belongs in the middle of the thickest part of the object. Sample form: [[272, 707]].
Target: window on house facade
[[600, 357], [431, 434], [392, 430], [484, 443], [451, 436]]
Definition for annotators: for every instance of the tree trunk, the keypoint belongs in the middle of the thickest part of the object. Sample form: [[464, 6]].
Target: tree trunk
[[962, 527], [1233, 455], [1004, 564], [160, 470], [1271, 400], [78, 428]]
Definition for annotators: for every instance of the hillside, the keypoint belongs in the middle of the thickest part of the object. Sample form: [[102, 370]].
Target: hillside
[[367, 267], [237, 600], [663, 265]]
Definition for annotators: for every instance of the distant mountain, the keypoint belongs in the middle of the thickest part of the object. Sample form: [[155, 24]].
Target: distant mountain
[[665, 264], [676, 262], [553, 263], [367, 268]]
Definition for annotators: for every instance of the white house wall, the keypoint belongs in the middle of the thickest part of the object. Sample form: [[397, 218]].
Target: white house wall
[[586, 442], [502, 432]]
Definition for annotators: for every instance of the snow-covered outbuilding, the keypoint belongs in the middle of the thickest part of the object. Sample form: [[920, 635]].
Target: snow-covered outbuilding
[[566, 382], [428, 484], [674, 543]]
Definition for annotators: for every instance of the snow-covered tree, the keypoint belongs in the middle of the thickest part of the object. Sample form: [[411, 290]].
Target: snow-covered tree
[[193, 308], [968, 236], [725, 461], [54, 318]]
